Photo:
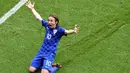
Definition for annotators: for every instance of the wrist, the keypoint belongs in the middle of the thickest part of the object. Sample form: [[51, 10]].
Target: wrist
[[32, 8], [74, 31]]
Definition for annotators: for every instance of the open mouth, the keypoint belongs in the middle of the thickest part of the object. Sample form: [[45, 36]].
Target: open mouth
[[50, 25]]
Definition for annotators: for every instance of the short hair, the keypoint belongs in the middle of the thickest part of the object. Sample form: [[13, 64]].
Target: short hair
[[55, 17]]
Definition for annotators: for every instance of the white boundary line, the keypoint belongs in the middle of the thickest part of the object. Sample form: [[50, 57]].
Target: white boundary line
[[12, 11]]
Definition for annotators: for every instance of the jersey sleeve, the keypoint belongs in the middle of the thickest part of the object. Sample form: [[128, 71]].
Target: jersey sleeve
[[44, 23], [62, 31]]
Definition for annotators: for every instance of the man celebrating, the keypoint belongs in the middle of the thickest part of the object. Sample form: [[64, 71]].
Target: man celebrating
[[45, 56]]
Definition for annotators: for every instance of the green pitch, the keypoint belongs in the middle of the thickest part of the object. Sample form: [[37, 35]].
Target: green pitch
[[101, 46]]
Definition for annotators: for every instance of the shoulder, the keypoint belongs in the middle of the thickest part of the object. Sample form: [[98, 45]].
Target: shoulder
[[44, 23], [61, 30]]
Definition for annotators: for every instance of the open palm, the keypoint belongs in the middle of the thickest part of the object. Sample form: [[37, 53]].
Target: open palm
[[30, 5], [76, 28]]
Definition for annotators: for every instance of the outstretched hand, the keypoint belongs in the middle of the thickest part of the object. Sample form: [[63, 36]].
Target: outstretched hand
[[30, 5], [76, 29]]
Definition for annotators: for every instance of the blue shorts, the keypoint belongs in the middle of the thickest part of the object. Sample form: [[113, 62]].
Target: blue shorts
[[43, 62]]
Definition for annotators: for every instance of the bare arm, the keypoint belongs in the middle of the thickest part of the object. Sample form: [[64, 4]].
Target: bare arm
[[71, 31], [35, 13]]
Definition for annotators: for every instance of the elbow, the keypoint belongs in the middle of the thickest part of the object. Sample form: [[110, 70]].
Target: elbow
[[38, 18]]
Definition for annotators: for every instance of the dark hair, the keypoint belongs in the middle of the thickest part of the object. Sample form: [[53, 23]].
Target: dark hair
[[55, 17]]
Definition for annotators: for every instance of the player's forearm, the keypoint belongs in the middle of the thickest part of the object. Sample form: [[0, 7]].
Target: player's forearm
[[71, 31], [36, 14]]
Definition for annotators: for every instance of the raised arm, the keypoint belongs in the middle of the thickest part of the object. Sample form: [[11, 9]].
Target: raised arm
[[75, 30], [31, 7]]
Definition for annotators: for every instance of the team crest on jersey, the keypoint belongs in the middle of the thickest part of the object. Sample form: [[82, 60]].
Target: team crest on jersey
[[54, 31]]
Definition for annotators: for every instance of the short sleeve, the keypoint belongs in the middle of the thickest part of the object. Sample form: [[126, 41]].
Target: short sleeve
[[44, 23], [62, 31]]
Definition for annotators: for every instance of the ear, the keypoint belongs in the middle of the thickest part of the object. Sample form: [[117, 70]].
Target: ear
[[56, 22]]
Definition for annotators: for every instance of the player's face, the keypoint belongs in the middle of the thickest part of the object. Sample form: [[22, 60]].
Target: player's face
[[52, 23]]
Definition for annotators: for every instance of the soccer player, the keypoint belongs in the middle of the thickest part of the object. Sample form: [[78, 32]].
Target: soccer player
[[45, 56]]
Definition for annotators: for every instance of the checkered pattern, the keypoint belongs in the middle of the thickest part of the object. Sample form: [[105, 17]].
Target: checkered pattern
[[51, 39]]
